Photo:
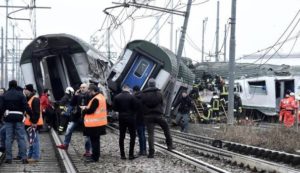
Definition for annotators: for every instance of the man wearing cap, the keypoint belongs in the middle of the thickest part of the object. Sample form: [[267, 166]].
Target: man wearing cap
[[152, 101], [14, 105], [32, 123]]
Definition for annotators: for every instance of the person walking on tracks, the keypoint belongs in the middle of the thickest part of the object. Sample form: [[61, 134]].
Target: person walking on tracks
[[14, 106], [152, 101], [79, 100], [125, 104], [183, 115], [32, 123], [95, 119]]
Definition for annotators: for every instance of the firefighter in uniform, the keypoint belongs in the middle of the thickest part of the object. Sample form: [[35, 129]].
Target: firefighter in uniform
[[65, 109], [95, 119], [32, 123], [223, 93], [215, 102]]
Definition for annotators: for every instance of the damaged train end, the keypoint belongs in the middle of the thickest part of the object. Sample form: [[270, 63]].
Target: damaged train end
[[56, 61]]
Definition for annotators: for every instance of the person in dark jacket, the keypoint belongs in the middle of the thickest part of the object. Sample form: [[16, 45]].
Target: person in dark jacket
[[237, 106], [32, 123], [14, 105], [65, 108], [125, 104], [152, 101], [140, 125], [2, 126], [80, 99], [185, 105], [95, 119]]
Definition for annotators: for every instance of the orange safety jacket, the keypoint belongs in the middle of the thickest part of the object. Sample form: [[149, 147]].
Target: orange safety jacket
[[284, 102], [27, 120], [99, 117], [292, 104]]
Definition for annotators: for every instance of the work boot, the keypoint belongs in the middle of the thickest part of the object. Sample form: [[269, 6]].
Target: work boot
[[151, 156], [25, 161], [32, 160], [62, 146], [17, 158], [87, 154], [132, 157], [170, 148], [8, 161]]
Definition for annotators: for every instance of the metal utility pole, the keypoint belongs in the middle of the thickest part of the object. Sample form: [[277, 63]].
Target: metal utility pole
[[203, 33], [34, 19], [6, 36], [2, 59], [179, 54], [13, 53], [217, 33], [157, 31], [108, 43], [225, 44], [231, 68], [171, 29]]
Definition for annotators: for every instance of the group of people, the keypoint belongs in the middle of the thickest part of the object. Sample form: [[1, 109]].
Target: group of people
[[288, 107], [21, 112], [137, 110]]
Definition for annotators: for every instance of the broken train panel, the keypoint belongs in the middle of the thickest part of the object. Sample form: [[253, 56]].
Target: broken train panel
[[56, 61]]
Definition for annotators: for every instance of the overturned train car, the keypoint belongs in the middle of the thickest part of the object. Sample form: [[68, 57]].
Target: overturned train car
[[142, 60], [56, 61]]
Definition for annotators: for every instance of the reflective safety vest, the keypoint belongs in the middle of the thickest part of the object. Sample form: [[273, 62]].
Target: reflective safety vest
[[27, 120], [216, 104], [224, 90], [99, 117]]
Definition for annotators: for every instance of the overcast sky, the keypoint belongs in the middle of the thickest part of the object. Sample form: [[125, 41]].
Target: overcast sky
[[259, 23]]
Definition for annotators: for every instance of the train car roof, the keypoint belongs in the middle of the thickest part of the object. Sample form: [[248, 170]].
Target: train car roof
[[161, 54], [54, 43]]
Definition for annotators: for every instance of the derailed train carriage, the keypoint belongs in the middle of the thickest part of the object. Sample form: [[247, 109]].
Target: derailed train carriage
[[56, 61], [142, 60]]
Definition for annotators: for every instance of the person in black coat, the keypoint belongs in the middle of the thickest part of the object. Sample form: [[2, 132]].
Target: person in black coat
[[125, 104], [152, 101], [93, 133], [185, 105]]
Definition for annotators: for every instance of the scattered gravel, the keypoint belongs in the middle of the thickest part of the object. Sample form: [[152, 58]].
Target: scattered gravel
[[110, 158]]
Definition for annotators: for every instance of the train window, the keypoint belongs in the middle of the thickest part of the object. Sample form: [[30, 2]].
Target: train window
[[140, 70], [238, 88], [258, 87]]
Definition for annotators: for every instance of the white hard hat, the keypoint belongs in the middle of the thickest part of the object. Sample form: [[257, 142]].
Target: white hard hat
[[69, 90], [292, 94]]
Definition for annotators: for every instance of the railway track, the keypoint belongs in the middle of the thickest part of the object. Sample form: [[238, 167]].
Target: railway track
[[251, 157], [184, 157], [52, 159]]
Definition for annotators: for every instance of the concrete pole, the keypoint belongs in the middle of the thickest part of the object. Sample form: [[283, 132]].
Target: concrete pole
[[203, 30], [179, 54], [225, 44], [231, 68], [171, 27], [13, 55], [6, 42], [217, 33], [2, 59]]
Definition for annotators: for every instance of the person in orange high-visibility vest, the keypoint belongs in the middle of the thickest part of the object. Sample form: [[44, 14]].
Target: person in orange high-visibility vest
[[289, 117], [95, 119], [282, 107], [32, 123]]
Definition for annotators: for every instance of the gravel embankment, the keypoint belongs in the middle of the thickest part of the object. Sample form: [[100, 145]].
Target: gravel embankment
[[110, 159]]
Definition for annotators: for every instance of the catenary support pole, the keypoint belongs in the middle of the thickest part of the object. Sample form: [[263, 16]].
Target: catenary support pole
[[231, 68]]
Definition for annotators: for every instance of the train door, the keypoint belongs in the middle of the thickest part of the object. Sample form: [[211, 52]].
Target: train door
[[139, 72], [281, 88]]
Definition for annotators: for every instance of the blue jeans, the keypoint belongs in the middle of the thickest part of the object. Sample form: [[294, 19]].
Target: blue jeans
[[142, 138], [185, 121], [2, 136], [34, 149], [70, 129], [87, 144], [18, 129]]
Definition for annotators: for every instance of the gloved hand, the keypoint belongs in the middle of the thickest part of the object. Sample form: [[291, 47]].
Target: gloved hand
[[34, 125], [240, 110]]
